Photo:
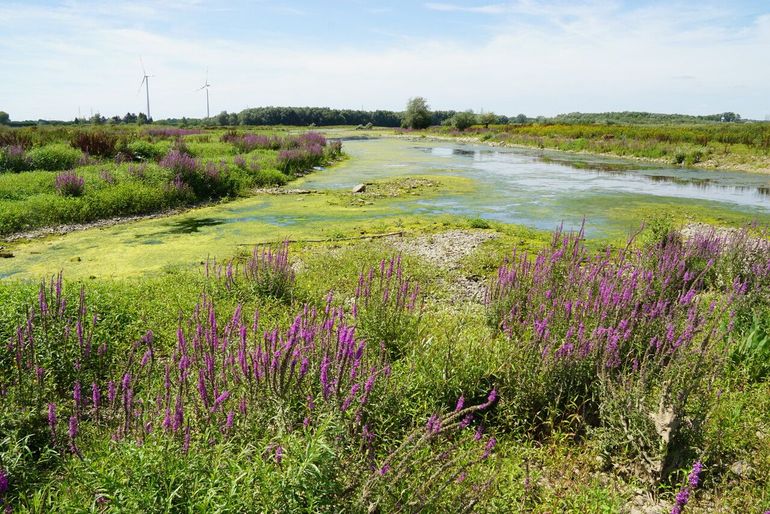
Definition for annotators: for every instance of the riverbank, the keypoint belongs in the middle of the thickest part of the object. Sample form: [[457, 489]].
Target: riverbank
[[133, 175], [708, 155]]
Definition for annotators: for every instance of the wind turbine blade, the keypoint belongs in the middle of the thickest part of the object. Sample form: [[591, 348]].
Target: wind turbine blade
[[142, 63], [207, 75], [141, 83]]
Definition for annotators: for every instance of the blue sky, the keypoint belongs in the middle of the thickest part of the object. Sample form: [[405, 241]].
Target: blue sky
[[535, 57]]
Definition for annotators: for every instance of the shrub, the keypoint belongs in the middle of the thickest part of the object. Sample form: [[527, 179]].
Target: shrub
[[624, 342], [141, 150], [180, 163], [266, 272], [13, 158], [172, 132], [16, 138], [300, 159], [269, 177], [478, 223], [54, 157], [388, 306], [70, 184], [99, 143]]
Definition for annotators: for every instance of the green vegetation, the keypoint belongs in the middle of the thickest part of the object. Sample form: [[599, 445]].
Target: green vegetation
[[417, 114], [89, 420], [124, 172], [384, 360], [743, 146]]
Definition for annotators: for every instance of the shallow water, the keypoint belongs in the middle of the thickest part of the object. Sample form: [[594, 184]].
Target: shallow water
[[536, 188], [509, 181]]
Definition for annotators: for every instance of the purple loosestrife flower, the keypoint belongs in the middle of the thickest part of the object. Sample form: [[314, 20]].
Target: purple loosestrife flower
[[384, 469], [683, 497], [229, 421], [96, 396], [460, 403], [180, 163], [52, 420], [76, 395], [69, 183], [490, 399], [3, 482], [434, 424], [220, 400], [112, 391], [489, 447], [146, 358], [278, 454]]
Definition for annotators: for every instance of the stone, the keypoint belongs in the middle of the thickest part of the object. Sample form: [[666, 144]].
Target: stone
[[360, 188]]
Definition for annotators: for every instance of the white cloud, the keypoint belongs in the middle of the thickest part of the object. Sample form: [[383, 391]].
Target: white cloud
[[665, 59], [483, 9]]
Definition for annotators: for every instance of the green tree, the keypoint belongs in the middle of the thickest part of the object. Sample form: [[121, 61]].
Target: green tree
[[487, 118], [4, 118], [463, 120], [417, 115]]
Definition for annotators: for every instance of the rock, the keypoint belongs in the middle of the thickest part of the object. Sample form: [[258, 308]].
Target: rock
[[360, 188], [740, 468], [6, 255]]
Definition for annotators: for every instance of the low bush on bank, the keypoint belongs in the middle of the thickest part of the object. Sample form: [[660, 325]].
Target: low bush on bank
[[54, 157]]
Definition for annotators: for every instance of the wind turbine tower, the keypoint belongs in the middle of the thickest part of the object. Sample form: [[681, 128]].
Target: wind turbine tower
[[146, 83], [206, 87]]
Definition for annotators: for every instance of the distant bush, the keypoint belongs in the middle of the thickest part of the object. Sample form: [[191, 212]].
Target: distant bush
[[15, 138], [13, 158], [70, 184], [99, 143], [478, 223], [141, 150], [299, 159], [169, 132], [463, 120], [180, 163], [54, 157], [269, 177]]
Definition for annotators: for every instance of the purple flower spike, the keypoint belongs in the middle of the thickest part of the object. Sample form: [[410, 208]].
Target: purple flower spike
[[52, 420], [683, 497], [3, 482]]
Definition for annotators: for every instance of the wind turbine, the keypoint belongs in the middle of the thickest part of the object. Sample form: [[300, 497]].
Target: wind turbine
[[146, 83], [206, 87]]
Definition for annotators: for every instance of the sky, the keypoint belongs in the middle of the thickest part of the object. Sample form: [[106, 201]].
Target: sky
[[61, 58]]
